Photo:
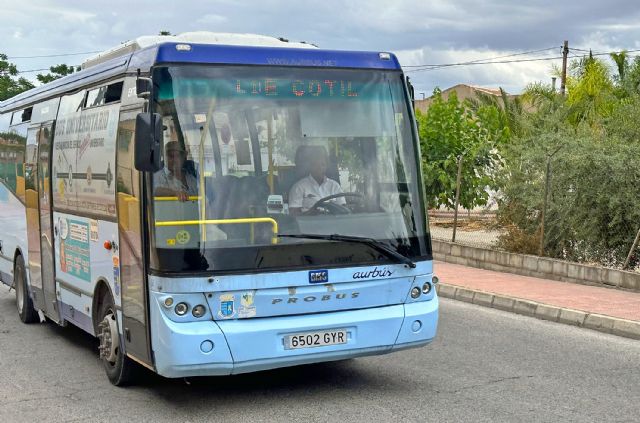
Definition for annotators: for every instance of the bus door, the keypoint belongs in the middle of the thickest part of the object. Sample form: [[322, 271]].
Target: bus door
[[45, 136], [39, 219], [133, 276]]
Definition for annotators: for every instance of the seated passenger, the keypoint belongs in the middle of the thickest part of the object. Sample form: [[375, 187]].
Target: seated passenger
[[174, 180], [313, 187]]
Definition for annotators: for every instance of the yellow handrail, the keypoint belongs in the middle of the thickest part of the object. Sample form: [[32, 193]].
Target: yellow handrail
[[190, 198], [274, 224]]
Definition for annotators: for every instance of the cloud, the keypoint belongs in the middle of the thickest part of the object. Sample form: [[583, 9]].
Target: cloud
[[513, 77], [426, 31], [211, 19]]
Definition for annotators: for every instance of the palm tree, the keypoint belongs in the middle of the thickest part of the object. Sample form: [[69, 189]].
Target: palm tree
[[622, 63], [509, 108]]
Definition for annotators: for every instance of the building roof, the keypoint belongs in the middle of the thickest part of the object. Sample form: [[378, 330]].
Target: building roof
[[463, 91]]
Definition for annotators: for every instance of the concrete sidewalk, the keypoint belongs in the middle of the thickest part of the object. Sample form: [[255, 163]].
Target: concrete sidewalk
[[603, 309]]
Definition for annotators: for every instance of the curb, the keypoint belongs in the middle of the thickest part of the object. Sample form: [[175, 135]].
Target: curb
[[567, 316]]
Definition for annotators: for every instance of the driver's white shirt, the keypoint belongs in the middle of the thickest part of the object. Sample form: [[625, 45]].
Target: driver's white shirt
[[306, 192]]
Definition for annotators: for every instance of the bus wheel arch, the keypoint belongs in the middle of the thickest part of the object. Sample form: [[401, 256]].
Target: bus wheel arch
[[24, 303], [101, 293], [16, 254], [117, 365]]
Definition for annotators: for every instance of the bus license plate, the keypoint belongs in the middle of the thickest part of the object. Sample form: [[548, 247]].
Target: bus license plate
[[315, 339]]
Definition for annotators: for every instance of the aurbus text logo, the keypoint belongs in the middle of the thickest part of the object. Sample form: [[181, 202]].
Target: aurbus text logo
[[375, 273]]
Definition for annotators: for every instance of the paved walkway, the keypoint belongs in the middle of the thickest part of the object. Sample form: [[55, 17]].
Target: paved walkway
[[543, 298]]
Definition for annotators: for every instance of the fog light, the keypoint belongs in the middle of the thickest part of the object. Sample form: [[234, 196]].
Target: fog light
[[168, 302], [199, 311], [206, 346], [426, 288], [181, 309], [415, 292], [435, 279]]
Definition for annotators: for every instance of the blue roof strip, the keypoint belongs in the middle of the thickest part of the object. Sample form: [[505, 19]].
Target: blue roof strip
[[247, 55]]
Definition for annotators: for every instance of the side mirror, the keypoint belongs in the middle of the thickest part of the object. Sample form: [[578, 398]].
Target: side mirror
[[148, 144]]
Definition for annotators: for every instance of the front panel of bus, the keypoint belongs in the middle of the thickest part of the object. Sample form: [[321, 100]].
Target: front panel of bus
[[262, 166]]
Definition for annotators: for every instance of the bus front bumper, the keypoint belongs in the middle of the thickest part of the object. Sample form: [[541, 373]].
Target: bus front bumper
[[210, 348]]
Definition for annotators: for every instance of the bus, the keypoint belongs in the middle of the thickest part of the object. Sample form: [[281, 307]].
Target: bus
[[213, 204]]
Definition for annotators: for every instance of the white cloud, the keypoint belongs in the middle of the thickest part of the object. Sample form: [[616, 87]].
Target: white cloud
[[211, 19], [425, 31], [513, 77]]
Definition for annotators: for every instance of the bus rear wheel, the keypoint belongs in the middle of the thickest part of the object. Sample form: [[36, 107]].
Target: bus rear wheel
[[117, 365], [26, 311]]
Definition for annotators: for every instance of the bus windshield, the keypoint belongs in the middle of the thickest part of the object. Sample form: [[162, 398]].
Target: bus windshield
[[255, 158]]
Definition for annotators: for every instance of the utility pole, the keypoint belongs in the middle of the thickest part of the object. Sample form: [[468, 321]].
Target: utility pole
[[565, 54], [455, 212], [544, 207], [633, 248], [547, 182]]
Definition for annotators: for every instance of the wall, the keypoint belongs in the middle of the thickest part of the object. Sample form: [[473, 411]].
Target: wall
[[539, 267]]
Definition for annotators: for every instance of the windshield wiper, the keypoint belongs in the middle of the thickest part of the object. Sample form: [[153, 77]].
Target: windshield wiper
[[376, 245]]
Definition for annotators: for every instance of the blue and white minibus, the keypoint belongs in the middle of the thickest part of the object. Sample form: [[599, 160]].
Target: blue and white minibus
[[214, 204]]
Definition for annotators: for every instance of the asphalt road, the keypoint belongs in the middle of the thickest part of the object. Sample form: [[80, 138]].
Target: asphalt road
[[486, 365]]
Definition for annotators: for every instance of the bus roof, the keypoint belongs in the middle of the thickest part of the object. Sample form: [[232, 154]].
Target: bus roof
[[192, 53]]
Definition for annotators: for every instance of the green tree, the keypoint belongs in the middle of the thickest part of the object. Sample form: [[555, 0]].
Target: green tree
[[591, 93], [631, 81], [587, 146], [56, 72], [621, 60], [450, 131], [510, 108], [10, 83]]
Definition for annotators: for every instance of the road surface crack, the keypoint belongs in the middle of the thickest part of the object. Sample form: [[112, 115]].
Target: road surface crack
[[487, 383]]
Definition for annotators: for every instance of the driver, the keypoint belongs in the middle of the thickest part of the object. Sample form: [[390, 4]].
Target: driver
[[313, 187]]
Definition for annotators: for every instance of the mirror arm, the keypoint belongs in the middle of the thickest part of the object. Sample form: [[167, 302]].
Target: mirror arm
[[143, 86]]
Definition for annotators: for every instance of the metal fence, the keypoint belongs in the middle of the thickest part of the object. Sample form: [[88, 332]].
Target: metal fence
[[476, 229]]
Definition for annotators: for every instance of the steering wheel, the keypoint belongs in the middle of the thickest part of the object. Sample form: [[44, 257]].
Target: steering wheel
[[331, 207]]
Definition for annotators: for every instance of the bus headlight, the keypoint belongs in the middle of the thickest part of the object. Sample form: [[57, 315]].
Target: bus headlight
[[181, 309], [199, 310], [415, 292], [426, 288]]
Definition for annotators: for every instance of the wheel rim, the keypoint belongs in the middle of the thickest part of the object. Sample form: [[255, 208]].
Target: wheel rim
[[19, 287], [109, 338]]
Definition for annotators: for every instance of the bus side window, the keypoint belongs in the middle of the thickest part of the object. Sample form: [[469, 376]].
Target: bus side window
[[6, 152], [70, 104], [13, 142], [106, 94]]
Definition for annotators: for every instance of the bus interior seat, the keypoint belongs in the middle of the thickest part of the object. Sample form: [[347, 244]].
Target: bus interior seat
[[242, 197], [189, 167]]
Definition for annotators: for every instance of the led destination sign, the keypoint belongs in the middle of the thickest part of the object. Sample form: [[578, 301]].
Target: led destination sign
[[326, 88], [268, 88]]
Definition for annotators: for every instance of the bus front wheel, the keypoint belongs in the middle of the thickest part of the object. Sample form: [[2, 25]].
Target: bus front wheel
[[118, 366], [26, 311]]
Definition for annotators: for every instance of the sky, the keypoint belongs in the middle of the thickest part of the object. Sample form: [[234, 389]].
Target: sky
[[419, 32]]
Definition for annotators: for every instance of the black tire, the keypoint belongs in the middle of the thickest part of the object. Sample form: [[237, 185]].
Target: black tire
[[121, 371], [24, 304]]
